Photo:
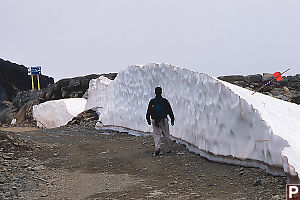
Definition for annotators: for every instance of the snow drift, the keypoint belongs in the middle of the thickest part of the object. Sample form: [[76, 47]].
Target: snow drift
[[57, 113], [97, 92], [214, 116]]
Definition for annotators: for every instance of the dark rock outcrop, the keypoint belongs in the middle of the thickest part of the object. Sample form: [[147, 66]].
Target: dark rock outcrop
[[257, 78], [14, 78], [7, 92], [24, 115], [86, 116], [17, 76], [288, 89], [11, 144], [71, 87], [25, 96], [21, 106], [4, 105], [232, 78], [7, 115]]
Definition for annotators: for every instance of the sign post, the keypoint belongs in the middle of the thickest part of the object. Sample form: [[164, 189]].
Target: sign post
[[38, 80], [32, 82], [35, 71], [277, 76]]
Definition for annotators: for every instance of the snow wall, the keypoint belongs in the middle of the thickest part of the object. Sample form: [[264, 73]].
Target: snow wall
[[97, 92], [214, 116], [57, 113]]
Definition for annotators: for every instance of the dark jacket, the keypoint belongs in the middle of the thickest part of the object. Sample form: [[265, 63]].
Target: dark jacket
[[166, 106]]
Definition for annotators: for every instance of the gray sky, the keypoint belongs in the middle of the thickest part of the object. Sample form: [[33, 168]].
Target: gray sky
[[220, 37]]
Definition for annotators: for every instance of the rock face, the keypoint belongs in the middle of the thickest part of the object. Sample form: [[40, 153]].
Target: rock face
[[25, 96], [7, 115], [22, 102], [84, 117], [14, 78], [24, 115], [71, 87], [7, 92], [288, 89]]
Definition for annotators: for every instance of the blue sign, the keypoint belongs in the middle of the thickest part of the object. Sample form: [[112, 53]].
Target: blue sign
[[35, 70]]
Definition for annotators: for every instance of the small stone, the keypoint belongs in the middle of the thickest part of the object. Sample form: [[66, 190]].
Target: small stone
[[2, 178], [38, 168], [257, 182], [276, 197], [7, 157], [7, 194]]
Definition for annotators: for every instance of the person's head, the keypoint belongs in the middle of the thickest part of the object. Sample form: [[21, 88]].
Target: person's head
[[158, 91]]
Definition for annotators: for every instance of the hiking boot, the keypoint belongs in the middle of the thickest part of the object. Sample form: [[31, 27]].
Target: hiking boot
[[157, 152]]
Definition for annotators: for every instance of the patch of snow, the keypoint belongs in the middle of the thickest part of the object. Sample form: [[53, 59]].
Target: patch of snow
[[97, 92], [13, 122], [211, 115], [57, 113]]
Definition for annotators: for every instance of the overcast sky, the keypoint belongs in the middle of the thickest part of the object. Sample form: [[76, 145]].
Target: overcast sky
[[220, 37]]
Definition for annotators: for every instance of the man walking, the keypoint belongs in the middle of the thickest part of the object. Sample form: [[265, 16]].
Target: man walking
[[159, 108]]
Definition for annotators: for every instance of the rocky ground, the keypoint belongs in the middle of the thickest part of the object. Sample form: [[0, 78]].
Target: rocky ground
[[288, 89], [80, 162]]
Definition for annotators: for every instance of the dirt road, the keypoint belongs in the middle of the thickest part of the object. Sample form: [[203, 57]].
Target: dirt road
[[79, 162]]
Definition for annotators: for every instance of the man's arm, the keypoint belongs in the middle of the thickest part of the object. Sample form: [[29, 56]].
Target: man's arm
[[170, 112], [149, 113]]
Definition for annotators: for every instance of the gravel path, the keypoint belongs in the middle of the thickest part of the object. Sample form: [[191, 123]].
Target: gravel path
[[79, 162]]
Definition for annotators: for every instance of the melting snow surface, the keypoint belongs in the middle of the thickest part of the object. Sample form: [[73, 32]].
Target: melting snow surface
[[214, 116], [97, 92], [57, 113]]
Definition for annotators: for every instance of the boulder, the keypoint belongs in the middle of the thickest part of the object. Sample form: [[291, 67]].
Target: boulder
[[295, 100], [7, 115], [254, 78], [232, 78], [86, 116], [282, 97], [24, 115], [241, 83], [267, 77], [286, 91], [277, 91], [295, 84]]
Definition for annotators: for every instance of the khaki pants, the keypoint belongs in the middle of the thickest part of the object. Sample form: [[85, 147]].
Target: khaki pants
[[161, 129]]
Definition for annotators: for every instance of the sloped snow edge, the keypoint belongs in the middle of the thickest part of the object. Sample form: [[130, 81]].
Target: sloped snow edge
[[134, 86]]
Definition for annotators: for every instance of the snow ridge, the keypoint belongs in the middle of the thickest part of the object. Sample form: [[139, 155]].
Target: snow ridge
[[57, 113], [214, 116]]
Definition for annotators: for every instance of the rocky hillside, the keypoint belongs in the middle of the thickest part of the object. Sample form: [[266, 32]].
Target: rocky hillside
[[20, 107], [14, 78], [288, 89]]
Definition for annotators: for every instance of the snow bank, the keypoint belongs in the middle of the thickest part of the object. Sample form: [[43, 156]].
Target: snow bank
[[283, 120], [97, 92], [214, 116], [57, 113]]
